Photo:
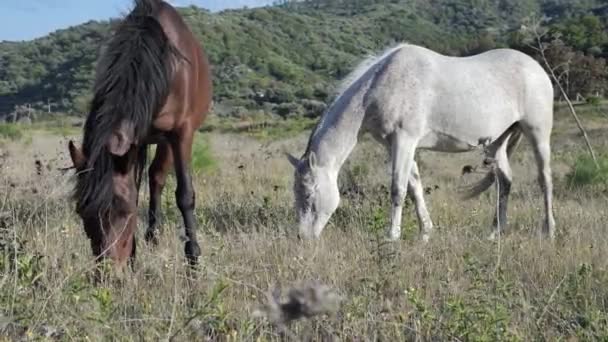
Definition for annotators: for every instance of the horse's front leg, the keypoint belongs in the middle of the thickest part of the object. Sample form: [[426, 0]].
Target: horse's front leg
[[163, 160], [185, 195], [402, 156]]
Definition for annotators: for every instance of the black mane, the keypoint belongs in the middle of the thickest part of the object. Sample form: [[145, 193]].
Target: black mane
[[132, 82]]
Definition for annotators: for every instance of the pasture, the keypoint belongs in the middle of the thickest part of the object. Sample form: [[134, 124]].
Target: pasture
[[458, 287]]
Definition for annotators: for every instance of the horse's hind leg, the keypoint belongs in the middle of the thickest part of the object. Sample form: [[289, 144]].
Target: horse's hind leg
[[402, 155], [133, 258], [542, 151], [185, 195], [504, 178], [163, 160], [416, 192]]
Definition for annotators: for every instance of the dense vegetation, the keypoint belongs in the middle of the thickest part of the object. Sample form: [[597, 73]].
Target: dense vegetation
[[286, 59]]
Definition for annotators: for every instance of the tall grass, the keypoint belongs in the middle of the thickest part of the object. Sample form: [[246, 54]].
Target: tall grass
[[457, 287]]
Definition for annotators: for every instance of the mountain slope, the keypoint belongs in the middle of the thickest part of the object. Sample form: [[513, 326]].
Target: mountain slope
[[285, 59]]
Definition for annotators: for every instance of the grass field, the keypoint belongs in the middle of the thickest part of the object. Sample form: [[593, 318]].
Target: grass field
[[458, 287]]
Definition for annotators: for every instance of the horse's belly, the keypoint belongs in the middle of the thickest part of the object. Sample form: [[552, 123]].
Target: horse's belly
[[465, 126], [441, 142]]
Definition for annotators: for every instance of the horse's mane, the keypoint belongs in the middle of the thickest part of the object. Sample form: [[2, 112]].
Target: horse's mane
[[368, 63], [363, 67], [132, 81]]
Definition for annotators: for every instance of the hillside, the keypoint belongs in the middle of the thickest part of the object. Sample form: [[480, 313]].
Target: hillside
[[286, 59]]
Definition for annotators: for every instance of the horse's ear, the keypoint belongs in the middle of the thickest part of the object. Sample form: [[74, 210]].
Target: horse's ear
[[121, 139], [312, 160], [292, 160], [78, 158]]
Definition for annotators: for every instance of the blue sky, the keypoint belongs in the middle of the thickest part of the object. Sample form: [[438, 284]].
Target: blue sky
[[29, 19]]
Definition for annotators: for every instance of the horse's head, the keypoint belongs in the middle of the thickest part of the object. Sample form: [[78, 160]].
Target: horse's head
[[316, 195], [106, 198]]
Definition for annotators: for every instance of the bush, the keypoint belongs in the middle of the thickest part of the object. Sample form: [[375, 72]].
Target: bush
[[279, 95], [594, 100], [10, 131], [585, 172], [313, 108], [202, 157], [289, 109], [283, 70]]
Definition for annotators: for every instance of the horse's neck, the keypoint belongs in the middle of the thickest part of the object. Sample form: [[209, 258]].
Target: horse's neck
[[337, 133]]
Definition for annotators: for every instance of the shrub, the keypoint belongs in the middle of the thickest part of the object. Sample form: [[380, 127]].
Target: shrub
[[282, 70], [289, 109], [313, 108], [202, 157], [594, 100], [585, 172], [10, 131]]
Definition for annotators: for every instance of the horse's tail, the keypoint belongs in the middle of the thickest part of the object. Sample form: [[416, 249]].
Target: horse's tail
[[133, 80], [513, 135], [514, 141]]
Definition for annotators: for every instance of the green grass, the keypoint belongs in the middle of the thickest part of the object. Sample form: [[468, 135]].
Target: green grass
[[25, 133], [60, 130], [281, 129], [11, 131], [586, 172], [261, 127], [202, 156]]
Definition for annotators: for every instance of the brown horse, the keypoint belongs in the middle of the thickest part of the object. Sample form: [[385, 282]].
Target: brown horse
[[153, 86]]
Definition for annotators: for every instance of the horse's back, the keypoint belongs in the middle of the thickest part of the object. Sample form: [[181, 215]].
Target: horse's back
[[514, 61], [534, 87], [464, 97], [491, 64]]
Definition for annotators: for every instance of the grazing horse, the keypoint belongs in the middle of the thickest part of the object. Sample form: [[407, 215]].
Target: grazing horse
[[411, 97], [153, 86]]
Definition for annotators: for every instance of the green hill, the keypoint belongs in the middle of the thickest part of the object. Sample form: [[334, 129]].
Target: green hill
[[286, 59]]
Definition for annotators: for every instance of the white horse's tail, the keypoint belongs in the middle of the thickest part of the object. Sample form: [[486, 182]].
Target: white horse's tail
[[514, 135]]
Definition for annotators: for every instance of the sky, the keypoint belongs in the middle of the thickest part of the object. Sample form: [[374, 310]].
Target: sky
[[29, 19]]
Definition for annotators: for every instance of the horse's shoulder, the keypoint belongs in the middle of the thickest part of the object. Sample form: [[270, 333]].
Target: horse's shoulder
[[414, 55]]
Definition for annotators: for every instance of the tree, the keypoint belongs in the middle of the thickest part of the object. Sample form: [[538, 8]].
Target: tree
[[536, 34]]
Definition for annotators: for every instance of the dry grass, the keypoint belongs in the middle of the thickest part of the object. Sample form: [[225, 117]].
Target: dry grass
[[458, 287]]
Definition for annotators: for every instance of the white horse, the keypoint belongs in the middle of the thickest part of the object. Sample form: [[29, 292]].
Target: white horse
[[411, 97]]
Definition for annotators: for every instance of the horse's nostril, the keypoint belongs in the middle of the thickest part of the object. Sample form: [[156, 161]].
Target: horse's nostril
[[299, 237]]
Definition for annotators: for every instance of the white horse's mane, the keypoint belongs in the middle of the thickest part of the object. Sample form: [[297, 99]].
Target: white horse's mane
[[353, 77], [364, 66]]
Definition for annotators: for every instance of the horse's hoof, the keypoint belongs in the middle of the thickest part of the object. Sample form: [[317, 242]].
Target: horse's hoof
[[493, 236], [151, 237], [549, 235], [549, 231], [392, 238], [192, 251], [393, 235], [425, 238]]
